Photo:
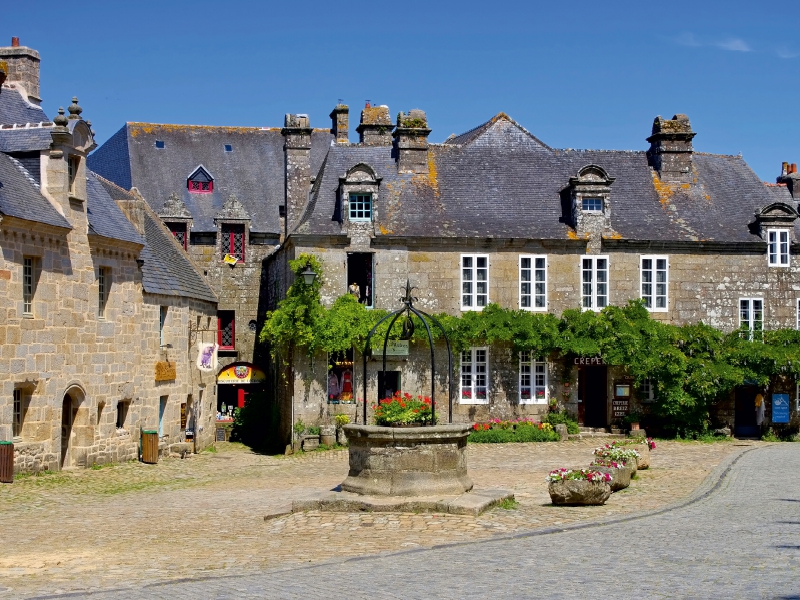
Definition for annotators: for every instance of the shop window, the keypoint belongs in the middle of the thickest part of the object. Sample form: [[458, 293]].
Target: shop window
[[232, 241], [474, 376], [751, 318], [533, 282], [654, 279], [474, 281], [226, 330], [359, 277], [532, 380], [341, 382], [179, 231], [594, 282]]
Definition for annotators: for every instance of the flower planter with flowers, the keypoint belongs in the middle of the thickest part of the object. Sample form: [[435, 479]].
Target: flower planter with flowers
[[579, 486], [627, 456], [403, 410], [642, 446], [620, 473]]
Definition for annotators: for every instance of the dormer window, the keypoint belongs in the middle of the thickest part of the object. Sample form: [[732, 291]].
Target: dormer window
[[592, 205], [360, 207], [200, 182]]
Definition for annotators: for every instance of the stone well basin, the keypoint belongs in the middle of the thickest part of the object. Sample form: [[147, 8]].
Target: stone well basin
[[414, 461]]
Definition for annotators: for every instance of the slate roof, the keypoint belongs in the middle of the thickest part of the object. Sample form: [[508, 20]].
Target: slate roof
[[25, 139], [253, 171], [780, 193], [14, 109], [499, 181], [166, 270], [20, 196], [106, 219]]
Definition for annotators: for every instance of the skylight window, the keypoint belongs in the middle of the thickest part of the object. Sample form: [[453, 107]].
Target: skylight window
[[228, 148], [160, 144]]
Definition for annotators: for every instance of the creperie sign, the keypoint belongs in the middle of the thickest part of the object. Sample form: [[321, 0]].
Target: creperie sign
[[589, 361]]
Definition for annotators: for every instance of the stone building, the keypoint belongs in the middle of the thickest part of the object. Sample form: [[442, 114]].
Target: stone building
[[496, 215], [98, 298]]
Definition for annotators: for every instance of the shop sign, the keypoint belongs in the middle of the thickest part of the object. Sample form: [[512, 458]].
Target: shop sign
[[165, 371], [780, 408], [589, 361], [241, 374], [207, 357], [394, 348], [620, 407]]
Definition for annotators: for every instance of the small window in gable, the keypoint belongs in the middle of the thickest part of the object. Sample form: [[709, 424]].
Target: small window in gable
[[200, 182], [160, 144]]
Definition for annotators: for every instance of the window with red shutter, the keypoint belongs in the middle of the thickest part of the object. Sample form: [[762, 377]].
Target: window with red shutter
[[200, 182], [226, 334]]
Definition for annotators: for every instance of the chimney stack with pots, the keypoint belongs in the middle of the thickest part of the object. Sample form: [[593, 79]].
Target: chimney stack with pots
[[791, 178], [21, 68], [376, 126], [411, 137], [671, 149], [297, 152]]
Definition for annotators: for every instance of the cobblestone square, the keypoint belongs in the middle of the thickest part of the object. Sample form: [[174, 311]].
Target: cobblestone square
[[118, 526]]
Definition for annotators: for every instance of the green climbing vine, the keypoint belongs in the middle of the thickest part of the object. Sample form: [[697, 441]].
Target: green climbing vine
[[692, 366]]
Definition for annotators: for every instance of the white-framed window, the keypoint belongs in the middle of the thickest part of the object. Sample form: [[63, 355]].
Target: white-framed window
[[103, 287], [532, 380], [16, 423], [475, 376], [751, 317], [532, 282], [474, 281], [647, 391], [592, 204], [778, 247], [594, 282], [655, 282], [360, 207]]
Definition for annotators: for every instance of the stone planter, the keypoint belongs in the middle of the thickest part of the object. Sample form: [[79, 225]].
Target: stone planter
[[579, 492], [620, 478], [643, 462], [632, 464], [310, 442], [416, 461], [327, 435]]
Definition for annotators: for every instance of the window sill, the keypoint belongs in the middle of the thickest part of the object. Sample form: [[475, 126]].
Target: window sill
[[530, 402], [17, 439], [28, 316], [467, 401], [658, 310], [472, 308], [533, 309]]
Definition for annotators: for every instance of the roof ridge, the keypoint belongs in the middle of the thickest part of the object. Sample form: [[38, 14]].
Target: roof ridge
[[111, 183], [208, 127]]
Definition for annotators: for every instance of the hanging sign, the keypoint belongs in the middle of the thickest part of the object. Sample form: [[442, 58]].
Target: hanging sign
[[165, 371], [207, 356], [780, 408], [241, 374]]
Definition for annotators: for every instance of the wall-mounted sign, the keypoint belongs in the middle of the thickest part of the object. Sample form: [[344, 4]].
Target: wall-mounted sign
[[780, 408], [183, 416], [207, 357], [393, 348], [241, 373], [589, 361], [165, 371], [620, 407]]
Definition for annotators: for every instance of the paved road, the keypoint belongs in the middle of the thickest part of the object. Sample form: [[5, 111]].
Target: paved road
[[739, 538]]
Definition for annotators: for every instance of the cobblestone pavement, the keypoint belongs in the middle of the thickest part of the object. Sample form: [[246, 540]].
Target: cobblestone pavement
[[204, 517]]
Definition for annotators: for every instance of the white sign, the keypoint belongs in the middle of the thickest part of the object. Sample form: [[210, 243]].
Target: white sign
[[207, 357], [395, 348]]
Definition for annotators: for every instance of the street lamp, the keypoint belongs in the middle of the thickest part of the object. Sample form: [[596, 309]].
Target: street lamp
[[309, 275]]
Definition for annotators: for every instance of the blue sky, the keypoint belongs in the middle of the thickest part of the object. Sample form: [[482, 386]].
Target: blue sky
[[576, 74]]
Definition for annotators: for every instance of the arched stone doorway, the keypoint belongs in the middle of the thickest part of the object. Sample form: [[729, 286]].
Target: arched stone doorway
[[76, 429]]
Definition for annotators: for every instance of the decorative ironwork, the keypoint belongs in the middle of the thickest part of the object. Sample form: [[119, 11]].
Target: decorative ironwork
[[408, 330]]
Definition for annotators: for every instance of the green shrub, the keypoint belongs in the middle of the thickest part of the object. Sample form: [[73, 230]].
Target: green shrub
[[523, 433], [555, 418]]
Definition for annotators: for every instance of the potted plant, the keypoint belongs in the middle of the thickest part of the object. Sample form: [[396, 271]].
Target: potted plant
[[579, 486], [633, 419], [403, 410], [311, 439]]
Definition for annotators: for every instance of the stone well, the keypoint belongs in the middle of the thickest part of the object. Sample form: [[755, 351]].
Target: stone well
[[414, 461]]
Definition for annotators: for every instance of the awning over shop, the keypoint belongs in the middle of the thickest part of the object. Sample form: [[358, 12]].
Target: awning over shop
[[241, 373]]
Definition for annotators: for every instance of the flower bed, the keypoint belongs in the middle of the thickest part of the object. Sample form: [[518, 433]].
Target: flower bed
[[579, 486], [499, 432], [403, 409]]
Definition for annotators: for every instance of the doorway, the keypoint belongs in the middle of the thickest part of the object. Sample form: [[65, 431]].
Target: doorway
[[745, 424], [67, 420], [593, 395], [359, 277], [388, 383]]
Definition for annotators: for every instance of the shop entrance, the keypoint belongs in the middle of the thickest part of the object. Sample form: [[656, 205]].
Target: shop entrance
[[745, 424], [593, 396], [388, 383]]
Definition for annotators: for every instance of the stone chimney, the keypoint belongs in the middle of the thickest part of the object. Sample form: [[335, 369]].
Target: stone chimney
[[791, 178], [671, 149], [376, 126], [297, 152], [21, 67], [411, 137], [340, 126]]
